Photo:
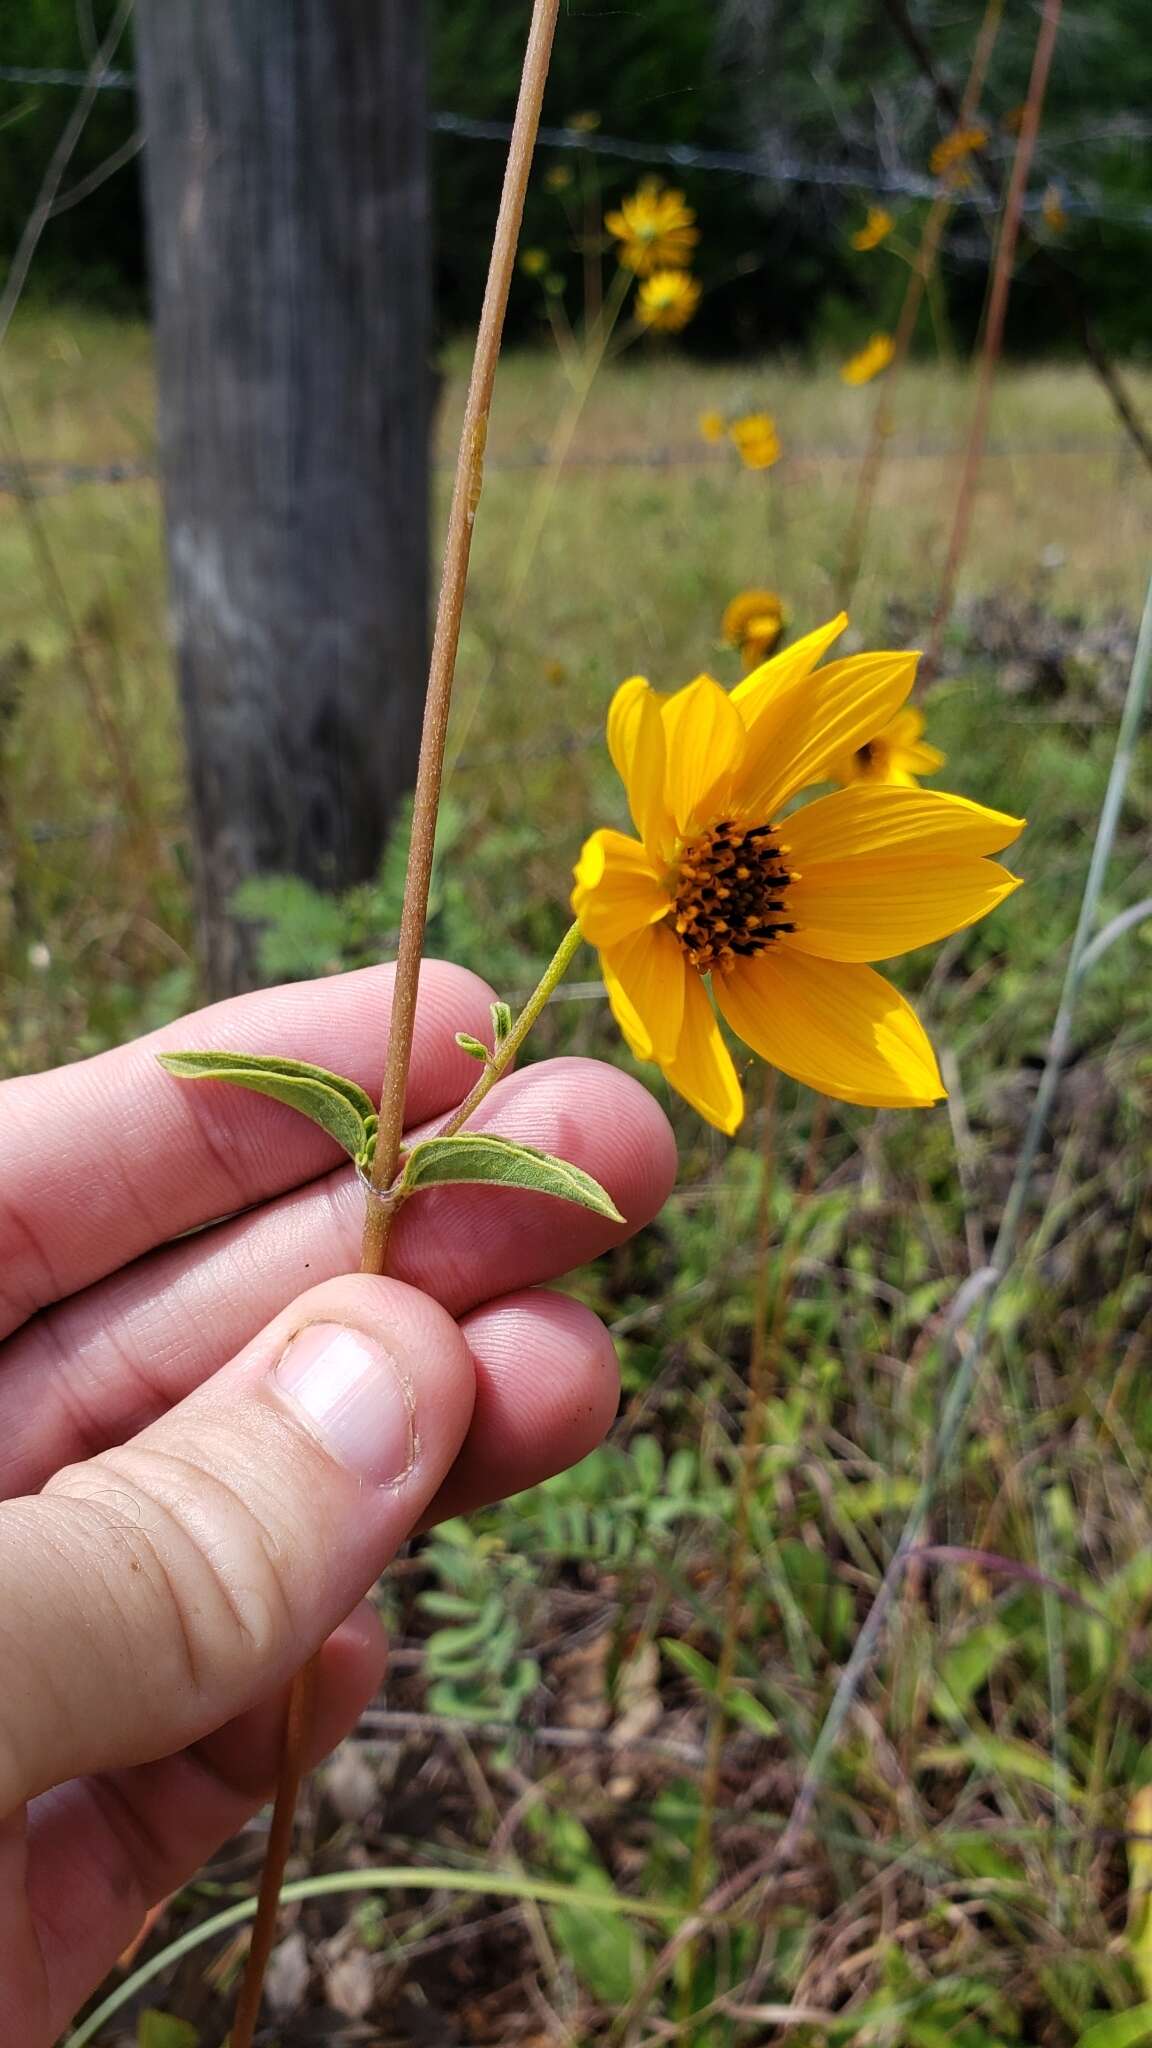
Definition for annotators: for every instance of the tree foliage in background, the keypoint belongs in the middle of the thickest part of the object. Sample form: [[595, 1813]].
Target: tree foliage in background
[[815, 86]]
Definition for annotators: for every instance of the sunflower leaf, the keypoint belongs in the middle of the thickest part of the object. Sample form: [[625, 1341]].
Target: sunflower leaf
[[340, 1107], [477, 1157]]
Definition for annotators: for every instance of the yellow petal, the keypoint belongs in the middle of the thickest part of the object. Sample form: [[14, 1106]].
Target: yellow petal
[[704, 737], [921, 759], [645, 977], [875, 819], [875, 909], [836, 710], [844, 1031], [764, 685], [617, 890], [636, 744], [701, 1069]]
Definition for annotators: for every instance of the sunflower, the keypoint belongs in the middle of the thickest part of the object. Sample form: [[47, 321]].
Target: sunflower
[[1053, 210], [756, 439], [666, 301], [783, 912], [655, 229], [753, 622], [868, 362], [949, 159], [876, 229], [896, 756], [713, 427]]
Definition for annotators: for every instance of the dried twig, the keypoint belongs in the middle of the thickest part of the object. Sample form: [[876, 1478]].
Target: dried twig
[[994, 324], [457, 551]]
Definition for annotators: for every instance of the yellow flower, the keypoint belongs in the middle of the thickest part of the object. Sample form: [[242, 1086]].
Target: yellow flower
[[713, 426], [585, 123], [753, 622], [896, 756], [667, 300], [783, 912], [534, 262], [757, 440], [868, 362], [654, 229], [950, 157], [558, 178], [876, 229], [1053, 210]]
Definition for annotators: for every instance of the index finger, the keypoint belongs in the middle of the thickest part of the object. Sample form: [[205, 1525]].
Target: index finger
[[109, 1158]]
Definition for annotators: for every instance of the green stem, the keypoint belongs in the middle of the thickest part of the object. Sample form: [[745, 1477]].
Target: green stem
[[504, 1054], [491, 1884]]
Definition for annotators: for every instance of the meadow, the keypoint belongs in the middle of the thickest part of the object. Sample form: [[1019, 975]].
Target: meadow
[[603, 1703]]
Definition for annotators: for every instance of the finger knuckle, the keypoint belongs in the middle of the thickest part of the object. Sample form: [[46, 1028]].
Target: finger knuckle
[[189, 1561]]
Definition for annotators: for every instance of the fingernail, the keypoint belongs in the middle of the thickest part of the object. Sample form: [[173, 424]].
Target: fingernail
[[353, 1393]]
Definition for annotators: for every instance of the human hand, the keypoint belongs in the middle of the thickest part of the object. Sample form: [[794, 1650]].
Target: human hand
[[203, 1469]]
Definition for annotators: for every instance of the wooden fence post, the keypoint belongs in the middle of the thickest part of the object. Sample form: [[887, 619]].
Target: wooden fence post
[[287, 186]]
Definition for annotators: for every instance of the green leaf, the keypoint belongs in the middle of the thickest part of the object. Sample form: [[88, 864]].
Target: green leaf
[[501, 1015], [160, 2030], [1120, 2030], [739, 1705], [339, 1106], [475, 1157], [474, 1047]]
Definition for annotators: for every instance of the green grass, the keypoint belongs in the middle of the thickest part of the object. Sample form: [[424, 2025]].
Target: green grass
[[965, 1881]]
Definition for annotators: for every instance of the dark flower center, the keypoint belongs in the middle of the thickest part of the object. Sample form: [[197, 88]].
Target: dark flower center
[[729, 894]]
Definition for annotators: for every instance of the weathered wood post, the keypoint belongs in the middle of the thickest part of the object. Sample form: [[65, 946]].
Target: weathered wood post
[[287, 186]]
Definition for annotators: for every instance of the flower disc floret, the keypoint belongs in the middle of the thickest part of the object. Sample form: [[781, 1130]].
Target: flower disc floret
[[783, 911], [728, 894]]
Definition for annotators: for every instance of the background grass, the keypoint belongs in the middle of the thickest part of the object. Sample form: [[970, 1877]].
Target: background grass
[[966, 1877]]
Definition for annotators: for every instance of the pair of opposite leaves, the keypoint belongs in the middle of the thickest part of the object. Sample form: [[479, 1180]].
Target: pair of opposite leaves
[[347, 1113]]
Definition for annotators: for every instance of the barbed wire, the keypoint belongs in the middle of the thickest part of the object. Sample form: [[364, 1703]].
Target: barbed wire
[[44, 479], [770, 166]]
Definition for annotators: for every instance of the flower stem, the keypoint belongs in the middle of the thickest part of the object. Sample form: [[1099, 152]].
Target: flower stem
[[446, 640], [429, 775], [506, 1051]]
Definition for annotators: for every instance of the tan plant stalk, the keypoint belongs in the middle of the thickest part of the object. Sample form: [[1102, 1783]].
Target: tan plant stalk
[[994, 324], [446, 639], [919, 280]]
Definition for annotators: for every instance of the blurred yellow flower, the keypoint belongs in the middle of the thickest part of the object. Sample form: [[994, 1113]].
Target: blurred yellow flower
[[558, 178], [584, 123], [713, 427], [1053, 209], [534, 262], [876, 229], [783, 912], [868, 362], [950, 157], [753, 622], [896, 755], [667, 300], [654, 229], [757, 440]]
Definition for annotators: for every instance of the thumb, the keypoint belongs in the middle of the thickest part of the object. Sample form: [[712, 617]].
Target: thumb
[[155, 1592]]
